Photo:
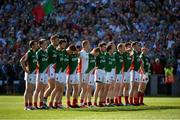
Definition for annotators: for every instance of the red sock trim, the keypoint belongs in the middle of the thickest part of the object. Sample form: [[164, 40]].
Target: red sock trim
[[35, 104], [26, 104], [131, 100], [126, 100], [30, 104], [50, 104], [40, 104], [119, 100], [68, 103]]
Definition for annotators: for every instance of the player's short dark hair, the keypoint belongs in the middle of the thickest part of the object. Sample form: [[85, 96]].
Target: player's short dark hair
[[120, 45], [54, 36], [96, 49], [134, 43], [101, 44], [31, 43], [41, 41], [72, 47], [62, 41], [127, 44], [112, 42], [108, 47], [84, 42]]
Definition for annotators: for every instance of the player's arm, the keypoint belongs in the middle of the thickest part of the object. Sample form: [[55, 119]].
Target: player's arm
[[141, 65], [22, 61], [38, 59]]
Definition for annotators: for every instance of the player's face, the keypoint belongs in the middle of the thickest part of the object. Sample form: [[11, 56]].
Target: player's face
[[136, 47], [128, 48], [103, 48], [55, 41], [88, 46], [123, 48], [113, 47], [120, 49], [44, 45], [35, 46], [63, 45]]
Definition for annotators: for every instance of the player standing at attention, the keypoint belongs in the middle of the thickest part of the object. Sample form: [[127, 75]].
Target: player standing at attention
[[72, 80], [41, 75], [100, 75], [83, 65], [119, 74], [110, 95], [126, 73], [28, 63], [108, 69], [144, 75], [52, 57], [134, 74], [90, 71], [61, 65]]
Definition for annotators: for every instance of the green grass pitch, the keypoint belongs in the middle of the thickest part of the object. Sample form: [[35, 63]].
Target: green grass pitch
[[11, 107]]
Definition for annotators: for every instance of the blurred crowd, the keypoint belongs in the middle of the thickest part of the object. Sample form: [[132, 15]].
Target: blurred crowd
[[154, 23]]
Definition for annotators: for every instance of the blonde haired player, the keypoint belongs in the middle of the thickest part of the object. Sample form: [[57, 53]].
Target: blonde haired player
[[83, 66]]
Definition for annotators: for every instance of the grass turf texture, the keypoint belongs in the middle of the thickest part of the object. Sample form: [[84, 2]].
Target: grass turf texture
[[11, 107]]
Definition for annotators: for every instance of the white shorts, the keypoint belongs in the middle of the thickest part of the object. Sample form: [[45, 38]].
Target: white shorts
[[61, 77], [134, 76], [72, 79], [100, 75], [144, 78], [83, 77], [126, 77], [42, 77], [30, 78], [91, 80], [109, 78], [113, 74], [119, 78], [51, 71]]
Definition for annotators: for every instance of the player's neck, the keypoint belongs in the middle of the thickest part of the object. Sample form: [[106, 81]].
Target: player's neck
[[110, 53], [33, 49], [43, 49], [53, 45], [85, 49], [120, 52]]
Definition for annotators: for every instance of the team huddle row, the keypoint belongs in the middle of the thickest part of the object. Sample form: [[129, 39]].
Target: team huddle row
[[106, 72]]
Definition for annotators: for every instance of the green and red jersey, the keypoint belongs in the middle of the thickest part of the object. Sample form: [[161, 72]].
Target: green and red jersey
[[127, 61], [119, 61], [101, 60], [42, 58], [92, 63], [52, 54], [73, 63], [31, 60]]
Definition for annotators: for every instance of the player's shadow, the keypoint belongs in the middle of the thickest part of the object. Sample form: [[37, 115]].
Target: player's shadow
[[126, 108]]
